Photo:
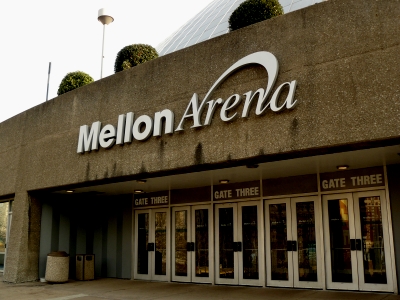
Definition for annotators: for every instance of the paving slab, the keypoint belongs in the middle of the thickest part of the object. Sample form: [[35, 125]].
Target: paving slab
[[120, 289]]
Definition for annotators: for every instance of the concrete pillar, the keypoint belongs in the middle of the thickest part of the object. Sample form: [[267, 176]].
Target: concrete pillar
[[45, 240], [22, 260]]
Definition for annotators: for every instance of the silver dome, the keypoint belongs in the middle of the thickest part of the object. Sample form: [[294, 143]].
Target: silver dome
[[212, 21]]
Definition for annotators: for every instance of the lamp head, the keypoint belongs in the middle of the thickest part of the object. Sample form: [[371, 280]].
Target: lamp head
[[104, 18]]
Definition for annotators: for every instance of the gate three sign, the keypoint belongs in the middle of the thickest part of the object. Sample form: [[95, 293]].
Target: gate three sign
[[361, 178], [241, 190]]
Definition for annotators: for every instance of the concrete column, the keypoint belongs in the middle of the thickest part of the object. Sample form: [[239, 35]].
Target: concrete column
[[127, 240], [45, 240], [112, 233], [22, 260]]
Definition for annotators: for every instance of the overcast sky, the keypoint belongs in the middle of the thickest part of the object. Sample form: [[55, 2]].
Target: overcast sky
[[68, 34]]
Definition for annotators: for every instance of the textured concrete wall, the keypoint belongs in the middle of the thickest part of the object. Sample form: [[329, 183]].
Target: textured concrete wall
[[344, 55]]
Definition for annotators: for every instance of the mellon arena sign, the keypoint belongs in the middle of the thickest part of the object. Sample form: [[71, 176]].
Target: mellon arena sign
[[144, 126]]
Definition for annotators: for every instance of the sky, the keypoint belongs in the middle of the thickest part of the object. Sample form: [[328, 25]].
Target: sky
[[68, 34]]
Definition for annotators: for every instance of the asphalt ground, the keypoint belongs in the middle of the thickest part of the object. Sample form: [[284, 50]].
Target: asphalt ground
[[118, 289]]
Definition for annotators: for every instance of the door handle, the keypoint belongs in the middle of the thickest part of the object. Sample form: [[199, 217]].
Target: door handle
[[291, 246], [358, 244], [190, 246], [150, 247], [352, 244], [237, 246], [355, 244], [294, 245]]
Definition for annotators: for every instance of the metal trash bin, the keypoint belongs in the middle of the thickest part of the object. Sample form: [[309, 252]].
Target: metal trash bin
[[57, 267], [84, 266]]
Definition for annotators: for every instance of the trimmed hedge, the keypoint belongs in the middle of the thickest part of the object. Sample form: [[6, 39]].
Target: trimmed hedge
[[254, 11], [133, 55], [72, 81]]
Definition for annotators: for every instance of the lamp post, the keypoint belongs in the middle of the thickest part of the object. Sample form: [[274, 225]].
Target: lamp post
[[48, 81], [105, 20]]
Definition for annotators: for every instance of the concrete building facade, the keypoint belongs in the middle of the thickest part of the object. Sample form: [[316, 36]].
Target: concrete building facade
[[268, 156]]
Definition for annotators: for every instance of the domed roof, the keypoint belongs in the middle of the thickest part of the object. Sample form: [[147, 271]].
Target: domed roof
[[212, 21]]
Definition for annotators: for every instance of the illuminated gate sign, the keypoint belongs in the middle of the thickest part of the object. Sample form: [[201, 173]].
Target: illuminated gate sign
[[144, 126]]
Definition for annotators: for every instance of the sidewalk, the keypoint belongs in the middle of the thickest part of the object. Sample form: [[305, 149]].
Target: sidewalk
[[114, 289]]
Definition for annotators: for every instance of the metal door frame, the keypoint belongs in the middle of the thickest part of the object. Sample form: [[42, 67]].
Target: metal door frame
[[188, 277], [210, 244], [237, 234], [317, 211], [388, 287], [151, 254], [352, 235]]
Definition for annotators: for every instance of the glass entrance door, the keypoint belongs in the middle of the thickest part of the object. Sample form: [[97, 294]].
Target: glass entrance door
[[191, 242], [239, 255], [152, 244], [357, 247], [293, 243]]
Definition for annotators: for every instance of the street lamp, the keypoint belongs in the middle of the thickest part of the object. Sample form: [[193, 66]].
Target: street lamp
[[105, 20]]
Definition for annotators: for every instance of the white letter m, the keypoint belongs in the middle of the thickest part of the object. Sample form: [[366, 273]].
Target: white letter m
[[89, 141]]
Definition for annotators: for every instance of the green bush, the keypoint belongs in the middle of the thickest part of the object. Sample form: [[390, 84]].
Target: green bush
[[72, 81], [133, 55], [254, 11]]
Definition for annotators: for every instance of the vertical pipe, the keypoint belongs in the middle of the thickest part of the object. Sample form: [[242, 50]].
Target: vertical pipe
[[48, 80], [102, 51]]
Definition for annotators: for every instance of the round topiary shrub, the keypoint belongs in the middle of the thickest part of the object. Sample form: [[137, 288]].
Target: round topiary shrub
[[134, 55], [254, 11], [72, 81]]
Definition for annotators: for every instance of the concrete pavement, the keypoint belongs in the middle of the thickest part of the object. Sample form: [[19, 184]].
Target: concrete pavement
[[119, 289]]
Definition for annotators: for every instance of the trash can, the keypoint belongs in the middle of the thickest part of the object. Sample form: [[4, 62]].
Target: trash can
[[57, 267], [84, 266]]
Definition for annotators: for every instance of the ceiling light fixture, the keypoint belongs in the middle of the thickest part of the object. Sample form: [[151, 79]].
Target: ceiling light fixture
[[342, 167], [141, 181], [138, 191], [70, 191], [252, 166], [224, 181]]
